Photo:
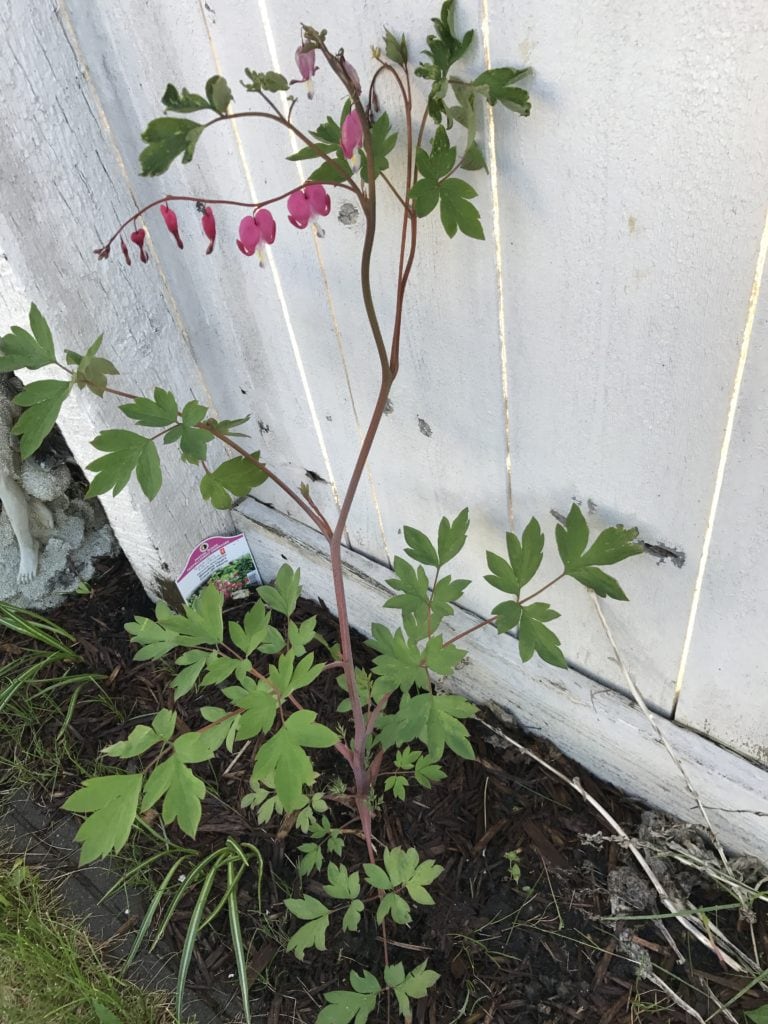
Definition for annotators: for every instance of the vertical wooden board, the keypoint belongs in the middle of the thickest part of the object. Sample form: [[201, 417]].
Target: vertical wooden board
[[631, 210], [442, 445], [724, 690], [237, 322], [59, 180]]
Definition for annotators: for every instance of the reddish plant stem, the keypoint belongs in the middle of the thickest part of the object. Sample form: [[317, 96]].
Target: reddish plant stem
[[310, 510], [248, 204], [317, 518], [278, 118], [492, 618]]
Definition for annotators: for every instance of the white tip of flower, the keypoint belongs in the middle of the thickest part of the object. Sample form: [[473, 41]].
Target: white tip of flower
[[310, 88], [182, 878]]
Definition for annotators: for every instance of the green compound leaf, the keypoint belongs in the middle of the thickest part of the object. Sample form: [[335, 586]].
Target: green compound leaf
[[442, 658], [22, 349], [393, 905], [421, 610], [218, 93], [420, 548], [332, 174], [399, 661], [259, 708], [92, 370], [160, 411], [413, 985], [397, 785], [42, 401], [401, 870], [199, 624], [383, 141], [289, 675], [426, 772], [255, 630], [168, 138], [264, 81], [451, 536], [474, 158], [497, 85], [283, 758], [526, 555], [193, 442], [351, 1007], [314, 151], [395, 48], [456, 210], [194, 747], [341, 884], [183, 102], [284, 591], [612, 545], [534, 637], [128, 453], [351, 920], [236, 477], [444, 48], [311, 934], [599, 581], [183, 793], [572, 537], [425, 195], [41, 330], [143, 737], [111, 803], [434, 719]]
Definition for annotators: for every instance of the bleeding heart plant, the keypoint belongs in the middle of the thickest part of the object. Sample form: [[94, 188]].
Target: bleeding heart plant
[[396, 721]]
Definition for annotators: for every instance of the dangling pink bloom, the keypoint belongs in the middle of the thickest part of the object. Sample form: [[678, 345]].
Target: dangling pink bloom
[[249, 236], [351, 136], [209, 229], [171, 223], [305, 61], [137, 237], [352, 75], [256, 232], [126, 254], [265, 222], [306, 205]]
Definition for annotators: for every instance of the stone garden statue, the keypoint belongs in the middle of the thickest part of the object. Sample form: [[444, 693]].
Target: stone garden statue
[[49, 535], [18, 506]]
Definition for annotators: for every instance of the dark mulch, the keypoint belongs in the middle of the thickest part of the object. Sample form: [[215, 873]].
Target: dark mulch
[[529, 951]]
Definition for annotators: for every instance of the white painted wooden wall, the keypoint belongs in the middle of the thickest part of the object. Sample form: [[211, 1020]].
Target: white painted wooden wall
[[608, 343]]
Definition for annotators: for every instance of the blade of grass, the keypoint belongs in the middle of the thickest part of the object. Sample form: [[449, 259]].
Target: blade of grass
[[191, 937], [237, 939], [185, 886], [223, 900], [240, 849], [146, 922]]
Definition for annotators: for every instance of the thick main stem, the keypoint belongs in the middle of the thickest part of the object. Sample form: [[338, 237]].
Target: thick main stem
[[362, 779]]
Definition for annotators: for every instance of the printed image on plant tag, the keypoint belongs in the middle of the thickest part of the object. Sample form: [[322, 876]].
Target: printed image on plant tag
[[226, 562]]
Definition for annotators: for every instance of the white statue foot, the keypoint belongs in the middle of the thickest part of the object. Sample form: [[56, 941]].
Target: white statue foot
[[43, 513], [28, 563]]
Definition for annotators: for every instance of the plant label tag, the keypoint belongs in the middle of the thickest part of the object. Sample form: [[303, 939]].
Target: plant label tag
[[226, 562]]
